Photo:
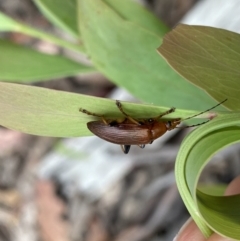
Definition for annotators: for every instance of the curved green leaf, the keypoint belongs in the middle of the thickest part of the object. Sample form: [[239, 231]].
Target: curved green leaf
[[208, 57], [211, 213], [21, 64], [126, 53], [63, 14], [47, 112]]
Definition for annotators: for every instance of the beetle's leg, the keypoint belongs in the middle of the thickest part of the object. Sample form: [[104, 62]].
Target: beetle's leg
[[141, 146], [165, 113], [125, 148], [119, 105], [93, 114]]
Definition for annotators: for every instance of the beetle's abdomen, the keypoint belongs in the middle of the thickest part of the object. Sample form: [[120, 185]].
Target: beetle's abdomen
[[122, 134]]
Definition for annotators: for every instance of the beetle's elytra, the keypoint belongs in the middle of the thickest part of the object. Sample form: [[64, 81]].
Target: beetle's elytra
[[131, 131]]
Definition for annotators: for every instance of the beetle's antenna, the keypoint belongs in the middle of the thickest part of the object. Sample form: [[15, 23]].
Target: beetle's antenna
[[200, 114], [204, 112], [199, 124]]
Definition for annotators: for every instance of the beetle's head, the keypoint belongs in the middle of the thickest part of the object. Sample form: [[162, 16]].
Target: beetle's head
[[172, 124]]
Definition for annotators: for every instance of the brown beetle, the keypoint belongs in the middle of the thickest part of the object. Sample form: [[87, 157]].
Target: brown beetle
[[131, 131]]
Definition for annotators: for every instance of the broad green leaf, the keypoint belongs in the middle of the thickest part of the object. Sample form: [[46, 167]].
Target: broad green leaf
[[63, 14], [220, 214], [21, 64], [134, 12], [8, 24], [47, 112], [208, 57], [126, 53]]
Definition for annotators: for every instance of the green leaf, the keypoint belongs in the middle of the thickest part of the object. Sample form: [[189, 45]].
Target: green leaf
[[22, 64], [134, 12], [47, 112], [126, 53], [216, 190], [63, 14], [208, 57], [211, 213], [7, 24]]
